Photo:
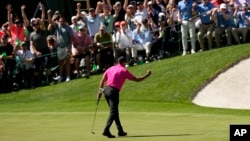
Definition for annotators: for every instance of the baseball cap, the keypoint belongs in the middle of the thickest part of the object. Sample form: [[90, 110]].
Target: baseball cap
[[223, 6], [57, 12], [117, 3], [74, 18], [117, 23], [33, 20], [132, 2], [139, 2], [81, 27], [17, 21], [130, 6], [91, 9], [106, 7], [150, 3], [161, 14], [102, 27], [35, 23], [245, 5], [5, 25], [122, 23], [121, 59], [24, 44]]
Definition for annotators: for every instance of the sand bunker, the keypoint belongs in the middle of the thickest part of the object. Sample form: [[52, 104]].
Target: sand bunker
[[230, 89]]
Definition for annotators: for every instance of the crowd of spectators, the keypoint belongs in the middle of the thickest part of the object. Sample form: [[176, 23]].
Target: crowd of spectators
[[40, 51]]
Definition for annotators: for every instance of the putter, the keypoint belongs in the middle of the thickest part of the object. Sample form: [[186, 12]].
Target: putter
[[92, 131]]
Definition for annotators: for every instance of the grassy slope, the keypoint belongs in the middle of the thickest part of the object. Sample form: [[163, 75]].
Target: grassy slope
[[173, 83]]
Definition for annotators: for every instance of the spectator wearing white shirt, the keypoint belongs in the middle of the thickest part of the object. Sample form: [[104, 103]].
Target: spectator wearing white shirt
[[123, 38], [130, 17], [141, 10], [27, 63]]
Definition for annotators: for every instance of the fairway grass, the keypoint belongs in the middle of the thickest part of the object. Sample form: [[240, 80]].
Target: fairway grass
[[76, 126]]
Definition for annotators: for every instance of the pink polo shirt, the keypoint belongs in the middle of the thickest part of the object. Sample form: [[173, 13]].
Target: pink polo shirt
[[116, 76]]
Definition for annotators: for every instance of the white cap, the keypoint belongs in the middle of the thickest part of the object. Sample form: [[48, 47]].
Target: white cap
[[130, 6], [32, 20], [74, 17], [161, 14], [81, 27], [223, 6], [150, 3], [245, 5]]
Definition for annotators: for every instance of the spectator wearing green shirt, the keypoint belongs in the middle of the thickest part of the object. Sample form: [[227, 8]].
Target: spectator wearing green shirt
[[104, 49]]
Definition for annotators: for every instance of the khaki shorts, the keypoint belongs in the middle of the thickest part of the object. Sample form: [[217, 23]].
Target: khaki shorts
[[62, 53]]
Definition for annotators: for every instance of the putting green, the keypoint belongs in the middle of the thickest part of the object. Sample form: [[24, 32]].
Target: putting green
[[76, 126]]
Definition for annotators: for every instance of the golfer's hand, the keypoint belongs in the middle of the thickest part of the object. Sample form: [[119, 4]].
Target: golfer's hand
[[148, 72], [99, 95]]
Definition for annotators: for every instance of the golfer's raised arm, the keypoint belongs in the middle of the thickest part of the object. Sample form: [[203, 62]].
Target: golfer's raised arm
[[141, 78]]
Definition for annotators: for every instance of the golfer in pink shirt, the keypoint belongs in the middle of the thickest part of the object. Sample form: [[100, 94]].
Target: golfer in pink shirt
[[114, 77]]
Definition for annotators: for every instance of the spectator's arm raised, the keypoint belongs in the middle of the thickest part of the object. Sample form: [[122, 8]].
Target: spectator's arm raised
[[214, 14], [25, 19], [125, 5], [52, 22], [116, 12], [145, 3], [88, 4], [109, 3], [9, 15], [99, 8], [43, 13]]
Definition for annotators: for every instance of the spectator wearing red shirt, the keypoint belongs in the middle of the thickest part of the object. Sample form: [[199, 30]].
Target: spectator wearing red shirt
[[16, 29]]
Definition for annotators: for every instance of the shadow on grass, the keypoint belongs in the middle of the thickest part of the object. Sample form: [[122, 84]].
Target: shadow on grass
[[138, 136]]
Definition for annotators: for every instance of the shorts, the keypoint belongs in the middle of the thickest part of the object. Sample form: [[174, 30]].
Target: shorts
[[62, 53]]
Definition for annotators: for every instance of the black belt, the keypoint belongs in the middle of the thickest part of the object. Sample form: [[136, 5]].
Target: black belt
[[112, 87]]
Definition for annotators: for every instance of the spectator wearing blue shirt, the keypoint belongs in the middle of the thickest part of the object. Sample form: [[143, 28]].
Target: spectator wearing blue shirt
[[93, 21], [142, 40], [224, 24], [243, 24], [207, 25], [186, 10]]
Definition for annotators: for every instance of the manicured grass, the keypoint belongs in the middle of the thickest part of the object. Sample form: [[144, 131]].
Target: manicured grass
[[158, 108], [76, 126]]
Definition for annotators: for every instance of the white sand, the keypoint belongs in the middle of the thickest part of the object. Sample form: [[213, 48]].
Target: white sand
[[231, 89]]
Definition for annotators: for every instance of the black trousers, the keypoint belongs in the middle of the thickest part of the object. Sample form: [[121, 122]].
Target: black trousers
[[112, 98]]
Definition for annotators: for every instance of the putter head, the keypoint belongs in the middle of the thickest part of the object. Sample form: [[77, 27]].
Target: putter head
[[93, 132]]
